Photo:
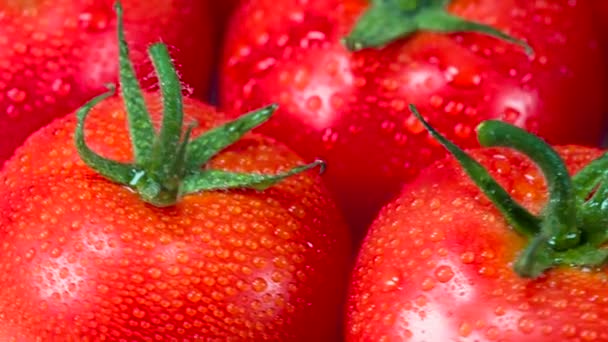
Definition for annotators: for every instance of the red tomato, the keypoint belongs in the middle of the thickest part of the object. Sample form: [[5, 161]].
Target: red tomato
[[82, 257], [112, 230], [55, 55], [488, 250], [600, 10], [350, 109], [437, 265]]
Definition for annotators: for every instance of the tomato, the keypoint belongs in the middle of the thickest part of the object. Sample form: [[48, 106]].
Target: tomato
[[55, 55], [601, 13], [119, 239], [444, 262], [350, 108]]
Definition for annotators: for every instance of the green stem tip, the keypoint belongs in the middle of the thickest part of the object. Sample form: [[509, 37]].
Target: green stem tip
[[388, 20], [572, 227], [170, 165]]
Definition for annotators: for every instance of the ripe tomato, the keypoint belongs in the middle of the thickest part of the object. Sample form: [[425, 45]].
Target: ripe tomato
[[350, 108], [116, 233], [55, 55], [600, 10], [442, 263]]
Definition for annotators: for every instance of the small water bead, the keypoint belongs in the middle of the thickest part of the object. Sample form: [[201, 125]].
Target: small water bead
[[444, 273], [16, 95]]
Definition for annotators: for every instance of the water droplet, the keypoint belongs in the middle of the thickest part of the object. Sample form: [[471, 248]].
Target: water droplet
[[436, 101], [467, 257], [525, 325], [428, 284], [314, 103], [94, 20], [60, 87], [414, 125], [20, 48], [462, 77], [388, 126], [103, 289], [139, 313], [182, 257], [56, 252], [137, 278], [492, 333], [29, 255], [398, 104], [266, 64], [259, 285], [16, 95], [194, 296], [173, 270], [444, 273], [465, 329], [329, 137], [462, 131], [588, 335], [510, 115]]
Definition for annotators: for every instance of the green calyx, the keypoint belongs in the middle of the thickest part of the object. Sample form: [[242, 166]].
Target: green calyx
[[571, 229], [388, 20], [170, 165]]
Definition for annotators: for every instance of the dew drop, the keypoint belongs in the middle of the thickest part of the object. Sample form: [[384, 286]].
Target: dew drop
[[436, 101], [194, 296], [428, 284], [510, 115], [139, 313], [465, 329], [259, 285], [137, 278], [94, 20], [444, 273], [414, 125], [314, 103], [60, 87], [29, 255], [525, 325], [103, 289], [182, 258], [462, 131], [20, 48], [16, 95], [467, 257], [55, 252]]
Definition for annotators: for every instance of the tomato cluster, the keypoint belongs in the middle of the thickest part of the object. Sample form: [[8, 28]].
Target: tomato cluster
[[426, 170]]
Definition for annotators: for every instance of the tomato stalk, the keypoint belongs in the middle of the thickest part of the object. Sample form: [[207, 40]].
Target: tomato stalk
[[570, 230], [167, 165], [387, 21]]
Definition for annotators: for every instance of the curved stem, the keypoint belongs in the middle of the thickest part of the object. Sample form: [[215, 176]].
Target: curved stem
[[113, 170], [521, 219], [559, 215]]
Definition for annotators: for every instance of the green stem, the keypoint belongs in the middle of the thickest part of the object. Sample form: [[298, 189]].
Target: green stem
[[571, 229], [559, 215], [141, 128], [388, 20], [168, 166], [521, 219], [167, 143]]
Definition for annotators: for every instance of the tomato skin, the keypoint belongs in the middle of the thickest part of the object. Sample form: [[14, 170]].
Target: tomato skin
[[351, 109], [437, 264], [58, 54], [600, 10], [86, 259]]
